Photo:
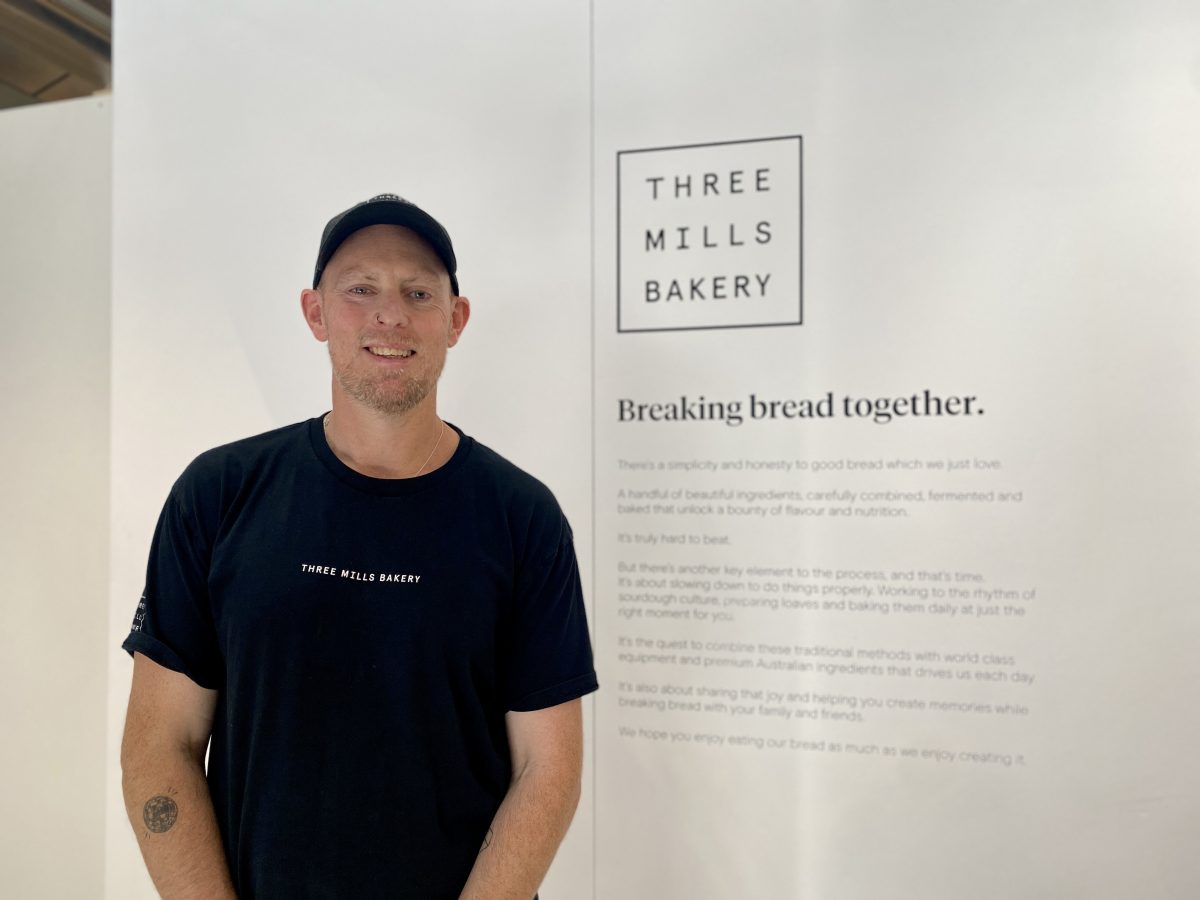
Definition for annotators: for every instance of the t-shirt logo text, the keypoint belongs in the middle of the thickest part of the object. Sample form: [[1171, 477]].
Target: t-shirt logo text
[[353, 575]]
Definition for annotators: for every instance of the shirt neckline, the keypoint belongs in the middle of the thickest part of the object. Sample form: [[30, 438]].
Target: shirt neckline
[[384, 487]]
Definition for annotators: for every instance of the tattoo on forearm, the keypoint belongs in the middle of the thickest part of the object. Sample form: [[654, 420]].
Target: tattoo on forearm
[[160, 814], [487, 840]]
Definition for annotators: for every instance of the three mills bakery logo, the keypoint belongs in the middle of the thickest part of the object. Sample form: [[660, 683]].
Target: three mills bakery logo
[[710, 236]]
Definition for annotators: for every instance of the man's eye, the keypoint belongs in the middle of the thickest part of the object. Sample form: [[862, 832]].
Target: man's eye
[[359, 290], [422, 295]]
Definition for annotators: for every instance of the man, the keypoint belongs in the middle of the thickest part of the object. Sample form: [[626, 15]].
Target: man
[[377, 620]]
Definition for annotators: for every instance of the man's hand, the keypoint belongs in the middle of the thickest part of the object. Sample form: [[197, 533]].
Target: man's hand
[[547, 754], [167, 729]]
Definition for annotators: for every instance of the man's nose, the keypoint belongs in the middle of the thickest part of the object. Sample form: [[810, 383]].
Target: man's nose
[[392, 309]]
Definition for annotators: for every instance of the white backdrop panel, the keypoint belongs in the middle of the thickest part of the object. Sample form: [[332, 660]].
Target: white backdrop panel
[[998, 203], [238, 134]]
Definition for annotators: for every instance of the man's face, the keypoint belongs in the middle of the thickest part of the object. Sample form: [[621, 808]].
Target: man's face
[[385, 307]]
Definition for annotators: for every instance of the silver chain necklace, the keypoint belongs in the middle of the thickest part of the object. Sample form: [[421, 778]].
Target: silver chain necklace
[[438, 443]]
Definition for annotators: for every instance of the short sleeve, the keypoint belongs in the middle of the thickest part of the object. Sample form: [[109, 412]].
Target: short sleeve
[[173, 623], [548, 657]]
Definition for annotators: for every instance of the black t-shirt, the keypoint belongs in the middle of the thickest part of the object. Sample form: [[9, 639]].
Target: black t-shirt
[[366, 637]]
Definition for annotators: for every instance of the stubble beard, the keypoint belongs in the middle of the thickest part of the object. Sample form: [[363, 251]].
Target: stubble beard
[[391, 394]]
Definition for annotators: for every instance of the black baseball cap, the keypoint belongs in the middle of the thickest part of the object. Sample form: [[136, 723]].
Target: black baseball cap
[[386, 209]]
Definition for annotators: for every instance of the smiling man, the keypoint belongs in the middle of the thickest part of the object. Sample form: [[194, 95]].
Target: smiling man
[[371, 623]]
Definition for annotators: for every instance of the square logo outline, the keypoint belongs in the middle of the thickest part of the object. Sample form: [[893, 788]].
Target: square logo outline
[[800, 250]]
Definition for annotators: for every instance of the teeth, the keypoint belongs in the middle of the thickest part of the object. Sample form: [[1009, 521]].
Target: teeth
[[390, 351]]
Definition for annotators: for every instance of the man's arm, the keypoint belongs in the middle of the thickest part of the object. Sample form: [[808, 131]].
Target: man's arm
[[547, 754], [167, 729]]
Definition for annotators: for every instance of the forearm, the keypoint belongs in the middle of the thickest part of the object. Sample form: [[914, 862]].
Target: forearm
[[525, 834], [170, 808]]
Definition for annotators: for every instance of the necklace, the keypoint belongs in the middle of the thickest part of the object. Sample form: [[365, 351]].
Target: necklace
[[437, 443]]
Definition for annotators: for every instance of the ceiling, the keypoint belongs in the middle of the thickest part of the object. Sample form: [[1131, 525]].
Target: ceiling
[[54, 50]]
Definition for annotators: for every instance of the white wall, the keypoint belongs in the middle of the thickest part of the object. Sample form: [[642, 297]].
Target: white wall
[[999, 198], [54, 289]]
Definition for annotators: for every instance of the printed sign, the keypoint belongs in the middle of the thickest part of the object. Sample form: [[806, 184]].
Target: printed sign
[[710, 236]]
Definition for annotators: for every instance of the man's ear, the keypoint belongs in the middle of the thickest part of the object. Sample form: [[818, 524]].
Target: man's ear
[[312, 304], [459, 314]]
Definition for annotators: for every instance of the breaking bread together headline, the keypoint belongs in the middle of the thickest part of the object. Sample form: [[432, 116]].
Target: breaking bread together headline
[[924, 404]]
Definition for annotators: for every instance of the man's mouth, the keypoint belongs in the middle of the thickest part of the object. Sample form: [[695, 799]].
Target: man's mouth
[[392, 352]]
